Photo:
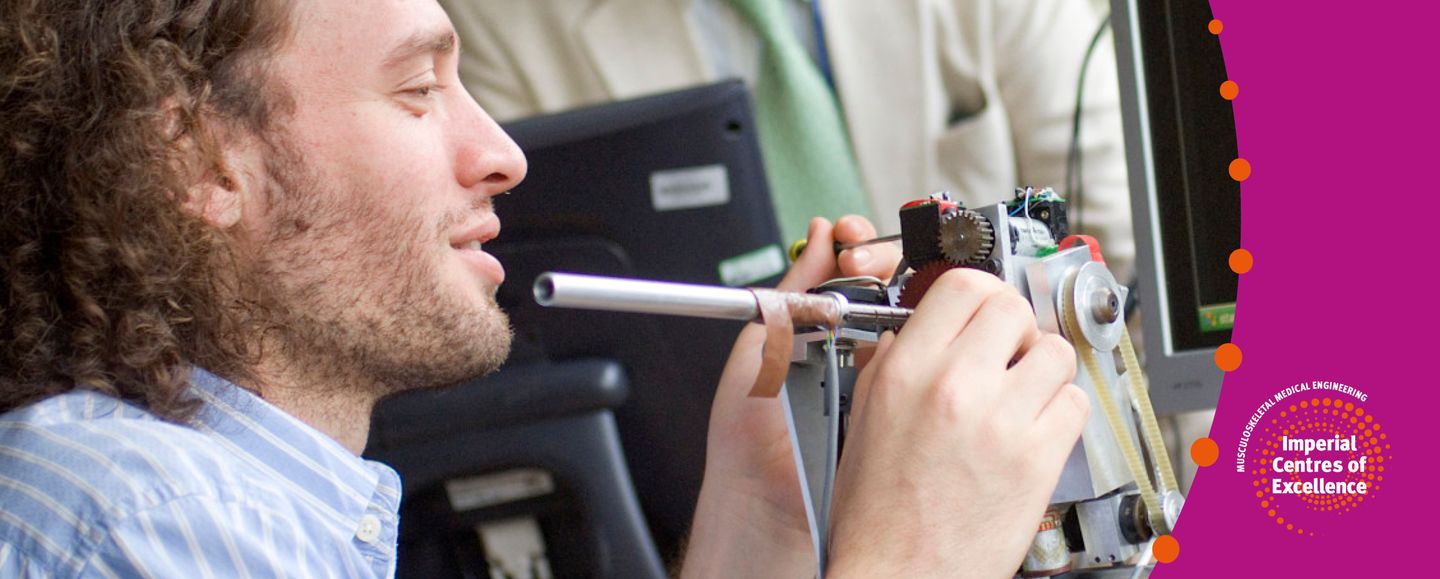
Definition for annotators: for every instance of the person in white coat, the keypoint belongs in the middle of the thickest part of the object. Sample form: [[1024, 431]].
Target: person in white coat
[[968, 96]]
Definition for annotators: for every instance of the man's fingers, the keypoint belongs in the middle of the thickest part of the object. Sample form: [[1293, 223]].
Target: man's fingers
[[853, 229], [1061, 422], [945, 311], [1047, 364], [1002, 325], [866, 379], [817, 263], [877, 260]]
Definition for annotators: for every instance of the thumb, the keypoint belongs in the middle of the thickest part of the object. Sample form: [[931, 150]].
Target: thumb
[[817, 263]]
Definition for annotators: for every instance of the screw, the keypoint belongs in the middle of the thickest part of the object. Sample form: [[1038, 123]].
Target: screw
[[1106, 308]]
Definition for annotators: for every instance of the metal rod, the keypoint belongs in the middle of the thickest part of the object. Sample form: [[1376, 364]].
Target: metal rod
[[591, 292], [884, 316], [839, 248], [799, 245], [567, 290]]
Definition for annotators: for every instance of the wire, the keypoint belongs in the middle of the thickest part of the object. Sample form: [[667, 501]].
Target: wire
[[1029, 223], [852, 281], [832, 448], [1074, 168]]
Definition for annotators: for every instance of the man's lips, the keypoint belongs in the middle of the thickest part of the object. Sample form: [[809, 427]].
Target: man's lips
[[469, 244], [485, 230]]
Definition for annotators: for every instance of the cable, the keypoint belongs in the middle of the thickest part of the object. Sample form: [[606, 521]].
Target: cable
[[1029, 227], [832, 449], [1074, 173]]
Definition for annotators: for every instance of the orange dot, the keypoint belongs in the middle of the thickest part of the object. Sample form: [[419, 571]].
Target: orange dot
[[1216, 26], [1241, 261], [1270, 512], [1229, 90], [1204, 451], [1227, 357], [1166, 548], [1239, 169]]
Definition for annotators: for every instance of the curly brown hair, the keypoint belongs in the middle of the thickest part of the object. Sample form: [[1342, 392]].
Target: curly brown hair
[[107, 107]]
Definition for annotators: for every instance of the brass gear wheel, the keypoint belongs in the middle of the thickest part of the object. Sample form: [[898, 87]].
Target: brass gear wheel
[[966, 237]]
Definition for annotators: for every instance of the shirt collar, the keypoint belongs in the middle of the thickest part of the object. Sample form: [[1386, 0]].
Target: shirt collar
[[320, 467]]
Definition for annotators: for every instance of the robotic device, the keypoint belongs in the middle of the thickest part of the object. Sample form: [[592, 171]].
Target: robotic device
[[1117, 490]]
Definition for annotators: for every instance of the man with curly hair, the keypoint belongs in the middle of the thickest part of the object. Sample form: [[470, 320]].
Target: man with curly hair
[[229, 227]]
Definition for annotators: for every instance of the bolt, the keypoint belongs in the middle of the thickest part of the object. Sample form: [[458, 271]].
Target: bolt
[[1106, 305]]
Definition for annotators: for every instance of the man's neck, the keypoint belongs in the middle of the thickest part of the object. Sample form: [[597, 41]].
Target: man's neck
[[342, 414], [338, 406]]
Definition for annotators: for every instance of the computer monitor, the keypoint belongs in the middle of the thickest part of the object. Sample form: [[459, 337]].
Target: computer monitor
[[668, 187], [1180, 140]]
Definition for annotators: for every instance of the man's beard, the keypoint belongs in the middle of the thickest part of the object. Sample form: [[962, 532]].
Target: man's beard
[[352, 296]]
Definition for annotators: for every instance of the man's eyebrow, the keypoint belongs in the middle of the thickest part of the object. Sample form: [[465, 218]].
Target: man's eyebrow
[[422, 43]]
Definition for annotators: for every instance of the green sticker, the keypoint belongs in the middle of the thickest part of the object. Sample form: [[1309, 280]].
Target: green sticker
[[748, 268], [1217, 317]]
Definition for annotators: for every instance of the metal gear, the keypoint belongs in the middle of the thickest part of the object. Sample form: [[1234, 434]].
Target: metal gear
[[966, 237], [919, 282]]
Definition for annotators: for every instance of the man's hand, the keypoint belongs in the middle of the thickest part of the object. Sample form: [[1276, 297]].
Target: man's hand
[[750, 520], [953, 451]]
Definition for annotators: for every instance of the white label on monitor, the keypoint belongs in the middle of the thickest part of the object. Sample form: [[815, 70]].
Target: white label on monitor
[[688, 188], [500, 488], [751, 267]]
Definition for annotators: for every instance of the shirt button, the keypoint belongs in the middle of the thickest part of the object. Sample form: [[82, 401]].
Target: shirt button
[[369, 529]]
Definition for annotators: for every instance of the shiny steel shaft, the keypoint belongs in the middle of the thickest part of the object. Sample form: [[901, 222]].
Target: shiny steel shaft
[[590, 292], [883, 316]]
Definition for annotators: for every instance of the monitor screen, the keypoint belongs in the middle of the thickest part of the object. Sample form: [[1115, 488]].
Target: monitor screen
[[1193, 142], [1180, 141], [668, 187]]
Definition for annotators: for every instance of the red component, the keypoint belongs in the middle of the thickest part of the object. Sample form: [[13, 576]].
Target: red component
[[940, 205], [1090, 242], [919, 283]]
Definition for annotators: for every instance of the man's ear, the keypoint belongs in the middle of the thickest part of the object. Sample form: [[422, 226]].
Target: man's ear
[[221, 176], [221, 192]]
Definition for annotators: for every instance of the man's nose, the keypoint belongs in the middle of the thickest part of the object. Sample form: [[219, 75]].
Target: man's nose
[[488, 158]]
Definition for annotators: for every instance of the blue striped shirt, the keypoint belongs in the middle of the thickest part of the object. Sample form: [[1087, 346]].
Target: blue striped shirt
[[91, 486]]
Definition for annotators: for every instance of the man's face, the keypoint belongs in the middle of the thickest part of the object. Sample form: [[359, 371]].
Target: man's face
[[367, 242]]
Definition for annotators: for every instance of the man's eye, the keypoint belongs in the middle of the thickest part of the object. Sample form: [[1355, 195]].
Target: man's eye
[[424, 91]]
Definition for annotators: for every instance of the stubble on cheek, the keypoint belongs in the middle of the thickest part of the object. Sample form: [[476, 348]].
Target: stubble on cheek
[[358, 295]]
